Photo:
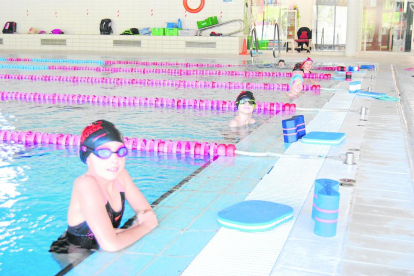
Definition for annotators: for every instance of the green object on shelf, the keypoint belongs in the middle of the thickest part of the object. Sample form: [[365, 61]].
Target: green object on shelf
[[158, 31], [172, 31], [212, 20], [208, 22], [202, 24], [263, 44]]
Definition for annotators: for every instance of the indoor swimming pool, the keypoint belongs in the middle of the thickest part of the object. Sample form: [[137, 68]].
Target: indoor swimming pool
[[36, 180]]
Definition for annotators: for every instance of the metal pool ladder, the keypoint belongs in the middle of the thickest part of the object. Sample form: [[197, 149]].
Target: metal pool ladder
[[278, 43], [199, 31], [253, 39]]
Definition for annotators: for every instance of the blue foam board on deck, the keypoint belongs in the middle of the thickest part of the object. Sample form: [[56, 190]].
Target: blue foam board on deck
[[254, 215], [326, 138]]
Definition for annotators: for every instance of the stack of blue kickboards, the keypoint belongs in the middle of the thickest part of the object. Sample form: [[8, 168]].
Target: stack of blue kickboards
[[293, 129]]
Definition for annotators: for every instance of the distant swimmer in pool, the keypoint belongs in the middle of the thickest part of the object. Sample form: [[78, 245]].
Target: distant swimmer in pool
[[281, 63], [296, 87], [246, 104], [307, 65], [98, 197]]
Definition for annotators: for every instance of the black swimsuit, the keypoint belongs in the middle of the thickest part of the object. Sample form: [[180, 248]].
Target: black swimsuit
[[82, 236]]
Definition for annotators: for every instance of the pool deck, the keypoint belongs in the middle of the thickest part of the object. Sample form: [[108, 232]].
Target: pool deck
[[375, 234]]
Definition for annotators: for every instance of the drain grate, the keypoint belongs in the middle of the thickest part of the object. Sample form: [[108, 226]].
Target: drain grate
[[126, 43], [196, 44], [54, 42]]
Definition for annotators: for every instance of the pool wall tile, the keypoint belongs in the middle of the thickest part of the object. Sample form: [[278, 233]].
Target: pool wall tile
[[94, 264], [226, 200], [155, 241], [217, 184], [176, 198], [162, 211], [207, 221], [189, 243], [167, 265], [122, 266], [199, 200], [242, 186], [179, 218]]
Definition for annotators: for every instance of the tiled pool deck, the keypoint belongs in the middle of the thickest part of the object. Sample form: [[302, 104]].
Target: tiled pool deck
[[376, 218]]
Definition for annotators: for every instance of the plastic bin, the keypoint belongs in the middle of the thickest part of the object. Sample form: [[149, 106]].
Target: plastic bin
[[212, 20], [171, 31], [187, 32], [158, 31], [172, 25], [263, 44], [208, 22], [202, 24]]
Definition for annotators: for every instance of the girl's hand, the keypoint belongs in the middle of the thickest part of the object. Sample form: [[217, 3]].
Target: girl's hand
[[147, 218]]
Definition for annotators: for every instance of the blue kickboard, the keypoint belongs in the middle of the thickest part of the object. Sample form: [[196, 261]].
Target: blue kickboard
[[254, 215], [326, 138]]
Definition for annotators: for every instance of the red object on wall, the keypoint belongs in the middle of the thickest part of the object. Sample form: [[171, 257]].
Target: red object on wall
[[194, 10]]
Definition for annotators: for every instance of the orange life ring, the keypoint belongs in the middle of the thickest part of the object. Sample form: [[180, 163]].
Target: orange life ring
[[193, 10]]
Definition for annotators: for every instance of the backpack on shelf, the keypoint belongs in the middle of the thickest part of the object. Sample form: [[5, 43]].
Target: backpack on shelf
[[9, 28], [132, 31], [105, 27]]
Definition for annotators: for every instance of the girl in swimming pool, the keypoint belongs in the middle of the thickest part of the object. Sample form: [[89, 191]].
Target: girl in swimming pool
[[246, 104], [98, 196], [296, 87], [307, 65]]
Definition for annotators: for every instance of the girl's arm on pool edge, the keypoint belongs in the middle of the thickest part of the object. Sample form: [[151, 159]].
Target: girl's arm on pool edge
[[93, 208]]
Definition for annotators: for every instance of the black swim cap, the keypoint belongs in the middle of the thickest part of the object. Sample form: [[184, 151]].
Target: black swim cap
[[97, 134], [281, 60], [244, 94], [298, 67]]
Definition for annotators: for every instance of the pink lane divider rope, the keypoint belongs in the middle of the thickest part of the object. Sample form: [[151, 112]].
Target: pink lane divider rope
[[328, 68], [156, 63], [166, 83], [191, 148], [261, 107], [151, 63], [142, 63], [185, 72]]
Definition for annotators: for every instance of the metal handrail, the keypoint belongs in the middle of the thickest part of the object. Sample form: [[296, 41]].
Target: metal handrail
[[278, 42], [323, 38], [199, 31], [253, 37]]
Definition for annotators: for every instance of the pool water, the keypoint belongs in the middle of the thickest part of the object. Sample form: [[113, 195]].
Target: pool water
[[36, 187], [36, 182]]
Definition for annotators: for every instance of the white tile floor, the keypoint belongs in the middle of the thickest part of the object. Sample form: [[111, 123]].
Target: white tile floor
[[375, 236]]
